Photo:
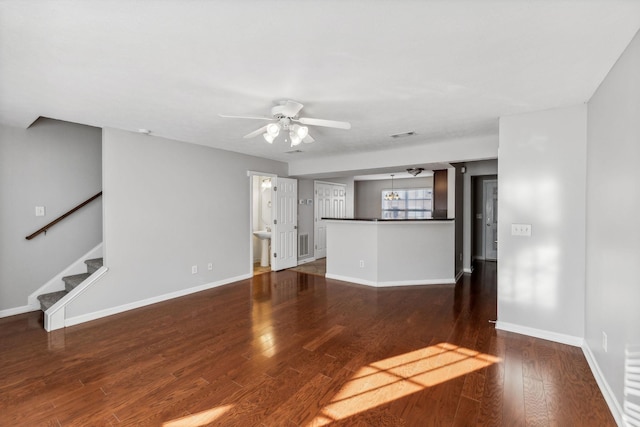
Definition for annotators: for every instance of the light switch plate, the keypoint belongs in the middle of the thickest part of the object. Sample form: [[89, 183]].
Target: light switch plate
[[521, 230], [39, 210]]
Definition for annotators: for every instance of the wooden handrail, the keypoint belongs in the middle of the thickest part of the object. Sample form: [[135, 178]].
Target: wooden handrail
[[63, 216]]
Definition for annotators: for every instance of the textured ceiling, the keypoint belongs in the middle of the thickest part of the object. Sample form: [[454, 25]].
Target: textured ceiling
[[442, 69]]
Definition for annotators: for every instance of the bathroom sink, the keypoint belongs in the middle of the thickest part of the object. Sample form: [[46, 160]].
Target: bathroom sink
[[262, 234]]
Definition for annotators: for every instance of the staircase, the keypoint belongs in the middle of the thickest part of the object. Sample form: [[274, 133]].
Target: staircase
[[70, 283]]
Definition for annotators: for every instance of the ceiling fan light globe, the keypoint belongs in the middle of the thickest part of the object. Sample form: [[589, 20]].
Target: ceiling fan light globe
[[295, 139], [302, 132], [268, 138], [273, 129]]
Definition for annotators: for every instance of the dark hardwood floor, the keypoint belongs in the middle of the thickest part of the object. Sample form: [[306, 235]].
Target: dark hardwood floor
[[288, 349]]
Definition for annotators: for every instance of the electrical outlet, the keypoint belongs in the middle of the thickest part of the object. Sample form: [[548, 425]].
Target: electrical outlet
[[194, 269], [521, 230], [361, 263], [604, 341], [210, 266]]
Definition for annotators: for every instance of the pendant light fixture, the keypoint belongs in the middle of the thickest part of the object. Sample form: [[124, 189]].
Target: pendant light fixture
[[392, 195]]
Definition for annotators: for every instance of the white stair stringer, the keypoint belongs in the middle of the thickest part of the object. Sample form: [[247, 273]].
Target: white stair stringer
[[55, 316]]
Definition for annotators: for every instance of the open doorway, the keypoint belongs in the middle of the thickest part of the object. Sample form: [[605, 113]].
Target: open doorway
[[273, 222], [261, 202], [484, 197]]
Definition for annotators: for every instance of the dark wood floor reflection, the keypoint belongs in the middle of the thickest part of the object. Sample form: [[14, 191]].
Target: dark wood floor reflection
[[287, 349]]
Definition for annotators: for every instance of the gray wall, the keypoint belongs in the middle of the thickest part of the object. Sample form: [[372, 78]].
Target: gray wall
[[56, 165], [169, 205], [541, 180], [613, 229], [368, 203]]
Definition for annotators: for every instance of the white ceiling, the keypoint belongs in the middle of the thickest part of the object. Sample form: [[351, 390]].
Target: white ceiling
[[443, 69]]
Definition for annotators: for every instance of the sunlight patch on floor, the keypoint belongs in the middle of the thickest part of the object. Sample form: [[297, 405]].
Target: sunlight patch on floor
[[399, 376], [199, 419]]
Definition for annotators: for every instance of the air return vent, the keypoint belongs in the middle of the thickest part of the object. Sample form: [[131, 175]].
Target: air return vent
[[303, 245], [403, 134]]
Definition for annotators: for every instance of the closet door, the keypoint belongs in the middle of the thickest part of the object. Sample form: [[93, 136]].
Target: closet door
[[330, 202]]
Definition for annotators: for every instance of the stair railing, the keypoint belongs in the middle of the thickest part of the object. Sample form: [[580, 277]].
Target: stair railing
[[63, 216]]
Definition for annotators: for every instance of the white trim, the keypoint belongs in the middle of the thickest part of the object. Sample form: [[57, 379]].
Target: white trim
[[330, 183], [540, 333], [54, 317], [19, 310], [459, 275], [467, 270], [448, 281], [56, 283], [306, 260], [606, 391], [130, 306]]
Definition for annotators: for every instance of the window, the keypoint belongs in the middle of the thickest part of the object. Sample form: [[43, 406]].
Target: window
[[414, 203]]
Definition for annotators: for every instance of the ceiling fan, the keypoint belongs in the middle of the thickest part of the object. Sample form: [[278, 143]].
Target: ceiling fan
[[285, 117]]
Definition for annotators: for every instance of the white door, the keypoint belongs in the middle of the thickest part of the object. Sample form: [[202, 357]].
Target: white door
[[323, 210], [330, 202], [490, 200], [284, 235]]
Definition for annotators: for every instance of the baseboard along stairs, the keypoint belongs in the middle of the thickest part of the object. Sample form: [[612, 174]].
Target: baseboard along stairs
[[70, 283]]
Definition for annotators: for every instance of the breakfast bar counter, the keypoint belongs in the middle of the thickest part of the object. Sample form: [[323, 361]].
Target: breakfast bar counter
[[379, 252]]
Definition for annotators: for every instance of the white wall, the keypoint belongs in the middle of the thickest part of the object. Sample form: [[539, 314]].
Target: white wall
[[613, 229], [169, 205], [56, 165], [541, 180]]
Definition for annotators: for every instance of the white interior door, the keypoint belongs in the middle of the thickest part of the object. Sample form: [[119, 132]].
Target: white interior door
[[490, 200], [284, 235], [330, 202], [323, 209]]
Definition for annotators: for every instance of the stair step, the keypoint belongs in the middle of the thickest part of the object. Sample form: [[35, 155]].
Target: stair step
[[93, 264], [47, 300], [70, 282]]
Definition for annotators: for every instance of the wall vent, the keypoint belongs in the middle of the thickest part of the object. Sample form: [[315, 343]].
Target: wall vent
[[402, 134], [303, 245]]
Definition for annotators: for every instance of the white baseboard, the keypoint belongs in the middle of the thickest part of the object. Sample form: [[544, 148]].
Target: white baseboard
[[540, 333], [70, 321], [447, 281], [306, 260], [459, 275], [19, 310], [605, 389], [468, 270]]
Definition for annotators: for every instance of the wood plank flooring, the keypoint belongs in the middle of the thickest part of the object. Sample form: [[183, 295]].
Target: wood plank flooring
[[292, 349]]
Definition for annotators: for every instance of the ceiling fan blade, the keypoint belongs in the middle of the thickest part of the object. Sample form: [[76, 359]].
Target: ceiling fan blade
[[245, 117], [308, 139], [256, 132], [326, 123], [291, 108]]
